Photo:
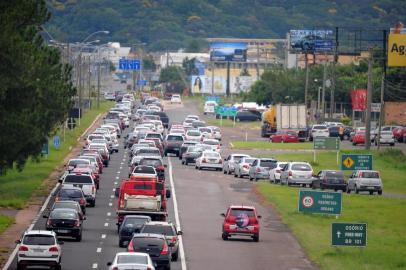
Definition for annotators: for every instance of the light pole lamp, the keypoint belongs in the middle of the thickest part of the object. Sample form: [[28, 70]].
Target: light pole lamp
[[95, 33]]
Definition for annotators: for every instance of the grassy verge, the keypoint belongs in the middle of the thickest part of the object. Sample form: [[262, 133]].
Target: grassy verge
[[390, 163], [16, 188], [255, 125], [5, 222], [386, 238], [269, 145]]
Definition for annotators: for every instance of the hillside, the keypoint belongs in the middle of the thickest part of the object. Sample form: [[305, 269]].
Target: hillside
[[172, 24]]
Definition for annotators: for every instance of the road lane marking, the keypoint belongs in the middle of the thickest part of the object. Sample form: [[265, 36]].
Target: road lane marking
[[94, 266], [99, 249], [112, 196], [106, 224], [109, 214], [121, 167], [175, 209], [121, 163], [110, 204], [114, 189], [117, 177], [115, 183], [103, 236]]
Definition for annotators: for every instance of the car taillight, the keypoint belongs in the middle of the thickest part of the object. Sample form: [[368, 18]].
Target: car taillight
[[53, 249], [290, 173], [49, 222], [174, 239], [77, 223], [23, 248], [165, 249], [82, 201], [130, 247], [204, 160], [245, 167], [258, 170], [57, 199]]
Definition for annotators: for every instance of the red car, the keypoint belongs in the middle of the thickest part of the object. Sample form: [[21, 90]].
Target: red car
[[399, 133], [284, 137], [359, 138], [241, 221]]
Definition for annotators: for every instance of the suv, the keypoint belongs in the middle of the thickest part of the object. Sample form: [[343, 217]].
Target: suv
[[85, 182], [155, 245], [365, 180], [318, 131], [241, 220], [169, 230], [38, 247], [231, 162], [297, 173], [172, 144], [260, 168]]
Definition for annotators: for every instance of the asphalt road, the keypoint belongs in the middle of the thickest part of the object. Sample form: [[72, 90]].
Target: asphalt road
[[201, 197]]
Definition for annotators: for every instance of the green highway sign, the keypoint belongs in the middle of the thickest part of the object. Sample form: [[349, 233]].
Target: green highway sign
[[353, 162], [326, 143], [45, 149], [349, 234], [320, 202]]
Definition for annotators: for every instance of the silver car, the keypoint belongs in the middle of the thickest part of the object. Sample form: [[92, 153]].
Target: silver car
[[275, 173], [365, 180], [231, 161], [260, 168], [297, 173], [242, 168]]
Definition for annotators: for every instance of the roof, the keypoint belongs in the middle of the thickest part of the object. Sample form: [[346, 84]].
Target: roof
[[163, 223], [152, 235], [242, 206], [40, 232]]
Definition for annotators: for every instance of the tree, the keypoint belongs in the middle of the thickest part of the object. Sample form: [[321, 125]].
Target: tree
[[190, 67], [174, 78], [36, 92], [194, 46], [148, 62]]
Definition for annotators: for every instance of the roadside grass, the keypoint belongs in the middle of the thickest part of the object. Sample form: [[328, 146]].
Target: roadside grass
[[269, 145], [5, 222], [16, 188], [390, 163], [386, 243], [254, 125]]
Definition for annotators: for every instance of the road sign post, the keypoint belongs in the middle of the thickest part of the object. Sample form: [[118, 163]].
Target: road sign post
[[45, 149], [320, 202], [349, 234], [354, 162], [326, 143]]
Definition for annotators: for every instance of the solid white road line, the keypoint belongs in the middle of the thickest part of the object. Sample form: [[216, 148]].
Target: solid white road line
[[94, 266], [175, 208], [91, 125]]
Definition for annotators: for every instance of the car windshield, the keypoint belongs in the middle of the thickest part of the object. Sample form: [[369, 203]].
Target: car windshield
[[268, 163], [148, 151], [70, 193], [158, 229], [249, 160], [144, 169], [237, 212], [79, 179], [129, 222], [205, 130], [212, 155], [334, 175], [73, 163], [150, 162], [238, 158], [301, 167], [62, 214], [320, 127], [291, 133], [193, 133], [132, 259], [211, 142], [147, 242], [174, 138], [153, 135], [65, 205], [370, 175], [39, 239]]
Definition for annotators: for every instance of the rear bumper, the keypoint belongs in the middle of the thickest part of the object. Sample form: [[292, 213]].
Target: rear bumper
[[335, 186], [211, 165], [261, 175], [73, 232], [39, 261], [298, 181], [369, 188]]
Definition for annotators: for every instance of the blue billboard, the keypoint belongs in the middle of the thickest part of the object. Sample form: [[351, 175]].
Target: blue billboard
[[311, 40], [228, 51]]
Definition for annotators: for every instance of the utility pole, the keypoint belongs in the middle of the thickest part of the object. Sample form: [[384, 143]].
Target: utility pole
[[212, 78], [323, 91], [228, 79], [333, 77], [307, 79], [141, 67], [383, 84], [89, 75], [369, 101], [80, 83], [98, 82], [257, 61]]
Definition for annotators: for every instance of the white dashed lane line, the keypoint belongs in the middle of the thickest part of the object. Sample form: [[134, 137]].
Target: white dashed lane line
[[109, 214], [106, 224], [103, 236], [99, 249], [110, 204], [94, 266]]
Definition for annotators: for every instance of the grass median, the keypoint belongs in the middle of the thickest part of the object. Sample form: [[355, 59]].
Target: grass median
[[5, 222], [16, 188], [390, 163], [254, 125], [269, 145], [386, 238]]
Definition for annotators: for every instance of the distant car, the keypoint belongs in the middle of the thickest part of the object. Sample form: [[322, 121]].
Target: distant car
[[330, 179], [74, 194], [216, 132], [155, 245], [243, 166], [185, 146], [209, 159], [209, 107], [260, 168], [354, 131], [65, 222], [359, 138], [336, 131], [365, 180], [297, 173], [191, 154], [284, 137], [207, 133], [231, 162], [172, 144], [176, 98], [39, 248], [193, 135], [198, 124], [386, 138], [247, 116], [275, 173], [70, 205], [169, 230], [241, 221], [192, 116], [215, 144], [131, 260], [399, 133], [130, 225], [319, 131]]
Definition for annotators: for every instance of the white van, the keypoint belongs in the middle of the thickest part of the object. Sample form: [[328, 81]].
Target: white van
[[209, 107]]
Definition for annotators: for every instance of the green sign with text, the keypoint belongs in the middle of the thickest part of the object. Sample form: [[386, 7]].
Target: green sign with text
[[320, 202], [349, 234], [326, 143], [353, 162]]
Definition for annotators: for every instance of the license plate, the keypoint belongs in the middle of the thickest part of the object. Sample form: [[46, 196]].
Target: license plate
[[63, 231], [241, 229], [38, 250], [371, 187]]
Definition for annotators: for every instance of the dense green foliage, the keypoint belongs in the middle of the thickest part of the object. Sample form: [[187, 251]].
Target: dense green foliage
[[173, 24], [35, 89]]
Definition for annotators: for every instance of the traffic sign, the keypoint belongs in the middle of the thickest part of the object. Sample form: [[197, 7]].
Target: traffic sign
[[57, 141], [213, 98], [129, 64], [226, 111], [353, 162], [320, 202], [141, 82], [326, 143], [71, 123], [45, 149], [349, 234]]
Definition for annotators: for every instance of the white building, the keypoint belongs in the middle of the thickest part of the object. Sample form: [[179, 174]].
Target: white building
[[176, 58]]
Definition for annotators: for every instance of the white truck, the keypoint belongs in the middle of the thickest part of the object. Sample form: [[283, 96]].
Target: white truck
[[290, 117]]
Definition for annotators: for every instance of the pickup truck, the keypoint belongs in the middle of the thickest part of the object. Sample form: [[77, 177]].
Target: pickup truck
[[85, 182], [141, 198]]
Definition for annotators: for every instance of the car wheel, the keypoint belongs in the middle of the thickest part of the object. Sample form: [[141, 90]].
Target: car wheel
[[256, 237], [120, 243], [93, 203], [380, 192], [392, 144], [228, 171], [175, 256], [20, 266], [165, 154], [348, 190], [235, 175], [79, 237], [183, 163], [224, 171], [371, 192], [167, 267], [239, 175], [249, 176], [356, 189], [58, 266], [196, 167], [180, 157], [186, 163], [224, 236]]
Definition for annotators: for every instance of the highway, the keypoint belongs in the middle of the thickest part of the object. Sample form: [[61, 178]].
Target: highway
[[201, 197]]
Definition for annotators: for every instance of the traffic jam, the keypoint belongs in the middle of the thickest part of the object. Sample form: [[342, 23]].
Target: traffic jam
[[147, 238]]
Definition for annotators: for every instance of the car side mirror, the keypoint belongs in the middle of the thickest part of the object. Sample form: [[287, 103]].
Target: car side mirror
[[259, 216], [109, 263], [17, 241], [168, 193], [223, 215]]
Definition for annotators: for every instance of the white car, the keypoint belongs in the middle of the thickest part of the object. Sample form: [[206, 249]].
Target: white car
[[193, 135], [39, 248], [131, 260], [192, 116], [386, 138], [209, 159], [319, 131], [215, 144], [216, 132], [176, 99], [275, 173], [209, 107], [207, 133], [188, 122]]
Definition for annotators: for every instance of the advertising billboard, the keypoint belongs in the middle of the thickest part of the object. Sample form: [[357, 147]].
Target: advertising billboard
[[359, 99], [203, 85], [240, 84], [397, 50], [228, 51], [311, 40]]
